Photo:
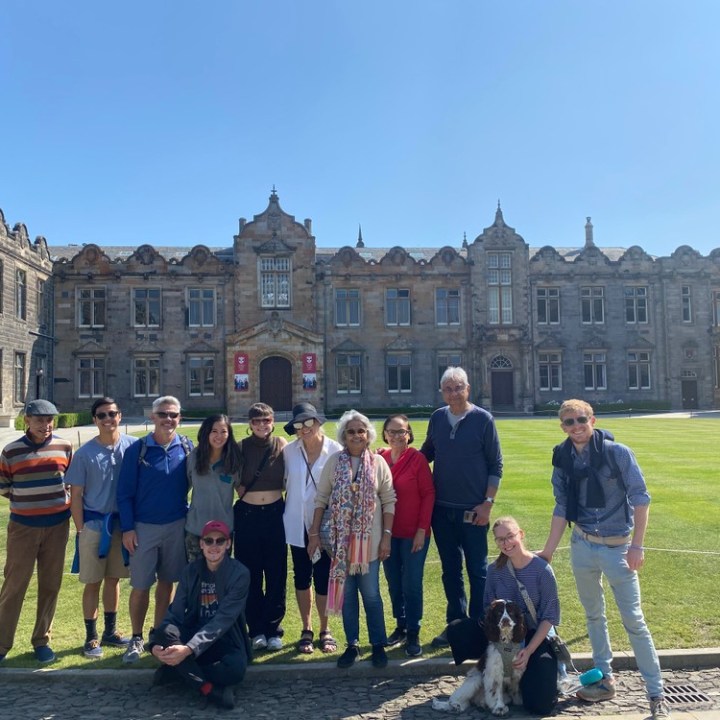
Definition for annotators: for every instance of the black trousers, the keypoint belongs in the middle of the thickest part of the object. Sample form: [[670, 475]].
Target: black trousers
[[260, 546], [538, 684], [221, 664]]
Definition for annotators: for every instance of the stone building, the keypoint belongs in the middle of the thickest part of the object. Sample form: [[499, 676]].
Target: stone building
[[26, 320], [277, 318]]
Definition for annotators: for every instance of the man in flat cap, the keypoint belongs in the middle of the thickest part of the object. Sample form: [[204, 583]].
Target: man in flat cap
[[32, 475]]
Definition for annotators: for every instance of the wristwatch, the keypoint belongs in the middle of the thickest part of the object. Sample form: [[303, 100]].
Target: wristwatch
[[489, 499]]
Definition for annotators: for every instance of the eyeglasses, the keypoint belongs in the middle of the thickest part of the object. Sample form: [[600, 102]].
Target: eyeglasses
[[261, 421], [569, 422], [508, 538], [109, 413], [454, 389], [359, 431], [164, 415], [305, 423], [210, 541], [397, 433]]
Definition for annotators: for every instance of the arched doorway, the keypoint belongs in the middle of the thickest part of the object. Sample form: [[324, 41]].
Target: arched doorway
[[501, 382], [276, 383]]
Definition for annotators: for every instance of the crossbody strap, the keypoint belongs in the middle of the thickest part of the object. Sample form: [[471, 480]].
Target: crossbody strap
[[259, 470], [525, 595]]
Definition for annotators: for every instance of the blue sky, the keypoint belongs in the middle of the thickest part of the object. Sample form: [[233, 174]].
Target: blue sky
[[164, 121]]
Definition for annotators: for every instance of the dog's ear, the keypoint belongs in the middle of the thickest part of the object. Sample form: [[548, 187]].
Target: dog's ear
[[490, 624], [519, 631]]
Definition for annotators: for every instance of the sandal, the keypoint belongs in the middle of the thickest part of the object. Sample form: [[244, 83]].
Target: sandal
[[328, 644], [305, 644]]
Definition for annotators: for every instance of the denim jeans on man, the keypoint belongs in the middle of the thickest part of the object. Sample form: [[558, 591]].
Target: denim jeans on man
[[368, 585], [404, 573], [455, 539], [589, 562]]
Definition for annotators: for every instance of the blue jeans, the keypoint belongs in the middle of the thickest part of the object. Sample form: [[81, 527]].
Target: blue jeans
[[589, 563], [404, 574], [455, 539], [368, 585]]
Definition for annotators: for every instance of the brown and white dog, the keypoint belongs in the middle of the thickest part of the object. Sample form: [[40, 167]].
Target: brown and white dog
[[493, 682]]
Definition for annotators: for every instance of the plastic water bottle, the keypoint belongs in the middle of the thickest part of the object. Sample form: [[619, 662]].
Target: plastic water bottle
[[569, 684]]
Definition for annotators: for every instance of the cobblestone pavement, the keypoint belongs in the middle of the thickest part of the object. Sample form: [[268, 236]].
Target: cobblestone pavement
[[338, 697]]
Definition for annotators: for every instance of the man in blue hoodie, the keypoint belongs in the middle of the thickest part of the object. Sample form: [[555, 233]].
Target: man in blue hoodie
[[152, 502]]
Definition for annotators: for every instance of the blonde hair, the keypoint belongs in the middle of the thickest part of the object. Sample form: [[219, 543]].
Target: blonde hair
[[579, 406]]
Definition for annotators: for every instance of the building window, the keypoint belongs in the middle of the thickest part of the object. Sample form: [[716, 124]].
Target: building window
[[347, 308], [686, 304], [593, 305], [550, 366], [19, 378], [500, 289], [717, 366], [2, 286], [447, 307], [1, 376], [399, 373], [146, 305], [91, 377], [349, 373], [446, 360], [42, 304], [716, 308], [397, 307], [275, 282], [636, 309], [595, 369], [146, 376], [201, 307], [21, 294], [638, 370], [91, 307], [548, 305], [201, 375]]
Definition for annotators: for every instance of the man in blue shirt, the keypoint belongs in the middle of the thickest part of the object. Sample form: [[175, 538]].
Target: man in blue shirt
[[599, 487], [152, 501], [462, 441]]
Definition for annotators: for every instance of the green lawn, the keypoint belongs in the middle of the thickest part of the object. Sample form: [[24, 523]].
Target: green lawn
[[680, 459]]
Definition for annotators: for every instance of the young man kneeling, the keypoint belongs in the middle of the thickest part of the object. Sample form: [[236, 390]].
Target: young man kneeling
[[203, 639]]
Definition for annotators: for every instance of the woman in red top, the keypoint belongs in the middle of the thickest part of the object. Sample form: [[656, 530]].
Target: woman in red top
[[404, 567]]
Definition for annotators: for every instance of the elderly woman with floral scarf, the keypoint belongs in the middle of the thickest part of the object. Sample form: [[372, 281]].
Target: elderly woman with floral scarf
[[356, 488]]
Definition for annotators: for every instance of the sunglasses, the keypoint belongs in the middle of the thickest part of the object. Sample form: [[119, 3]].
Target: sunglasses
[[210, 541], [305, 423], [359, 431], [164, 415], [569, 422], [109, 413]]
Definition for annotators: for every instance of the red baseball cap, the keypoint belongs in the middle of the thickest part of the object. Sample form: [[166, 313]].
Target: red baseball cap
[[217, 526]]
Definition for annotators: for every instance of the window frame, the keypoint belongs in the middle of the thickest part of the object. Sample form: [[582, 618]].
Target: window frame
[[21, 292], [398, 310], [95, 375], [201, 306], [444, 364], [686, 311], [500, 288], [353, 371], [344, 306], [145, 306], [280, 270], [153, 373], [447, 308], [592, 301], [639, 367], [595, 361], [548, 298], [552, 362], [398, 373], [96, 305], [635, 299], [206, 386], [19, 377]]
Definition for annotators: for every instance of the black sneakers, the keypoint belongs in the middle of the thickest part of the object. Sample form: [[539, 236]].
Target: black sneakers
[[348, 658], [379, 657]]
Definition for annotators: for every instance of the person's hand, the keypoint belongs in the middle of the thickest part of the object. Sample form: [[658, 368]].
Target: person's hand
[[545, 555], [418, 540], [313, 544], [172, 655], [482, 513], [130, 541], [384, 548], [520, 661], [635, 557]]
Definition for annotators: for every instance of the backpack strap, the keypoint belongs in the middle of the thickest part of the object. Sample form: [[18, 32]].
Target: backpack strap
[[184, 441]]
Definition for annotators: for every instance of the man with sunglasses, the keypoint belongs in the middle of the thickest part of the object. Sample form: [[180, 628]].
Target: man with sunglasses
[[202, 639], [93, 478], [600, 490], [152, 501]]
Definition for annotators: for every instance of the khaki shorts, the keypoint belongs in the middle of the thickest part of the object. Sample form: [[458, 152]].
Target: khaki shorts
[[159, 555], [94, 569]]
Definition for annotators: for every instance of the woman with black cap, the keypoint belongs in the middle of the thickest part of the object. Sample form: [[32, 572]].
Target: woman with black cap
[[304, 461]]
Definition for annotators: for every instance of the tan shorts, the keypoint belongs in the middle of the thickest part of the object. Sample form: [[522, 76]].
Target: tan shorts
[[94, 569]]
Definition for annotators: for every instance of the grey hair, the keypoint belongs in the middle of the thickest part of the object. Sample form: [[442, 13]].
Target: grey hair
[[456, 374], [165, 400], [348, 417]]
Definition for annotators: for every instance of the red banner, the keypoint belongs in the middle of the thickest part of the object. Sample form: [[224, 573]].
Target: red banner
[[242, 368], [309, 369]]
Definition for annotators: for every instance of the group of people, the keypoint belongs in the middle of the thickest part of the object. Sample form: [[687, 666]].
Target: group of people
[[344, 510]]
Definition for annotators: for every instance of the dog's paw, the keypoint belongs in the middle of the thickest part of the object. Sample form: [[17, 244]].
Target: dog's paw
[[500, 710], [446, 706]]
